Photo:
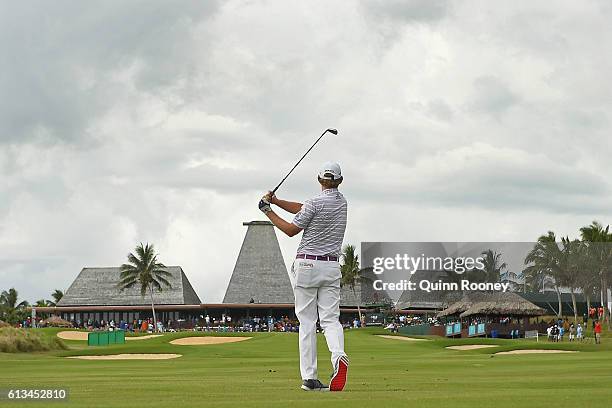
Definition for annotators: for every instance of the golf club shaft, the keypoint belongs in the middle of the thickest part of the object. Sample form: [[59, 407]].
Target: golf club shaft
[[296, 164]]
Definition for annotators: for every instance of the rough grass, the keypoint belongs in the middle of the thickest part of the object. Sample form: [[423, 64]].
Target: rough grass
[[264, 372], [14, 340]]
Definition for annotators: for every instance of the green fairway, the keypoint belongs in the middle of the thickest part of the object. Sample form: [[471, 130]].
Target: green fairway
[[264, 372]]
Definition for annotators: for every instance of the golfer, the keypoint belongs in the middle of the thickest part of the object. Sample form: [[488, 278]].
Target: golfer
[[315, 274]]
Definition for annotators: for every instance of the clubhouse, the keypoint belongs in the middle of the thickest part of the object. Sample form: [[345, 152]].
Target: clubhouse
[[259, 287]]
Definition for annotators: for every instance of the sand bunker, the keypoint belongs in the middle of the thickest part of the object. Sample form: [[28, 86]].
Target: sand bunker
[[471, 346], [129, 357], [149, 336], [72, 335], [79, 335], [400, 338], [536, 351], [201, 340]]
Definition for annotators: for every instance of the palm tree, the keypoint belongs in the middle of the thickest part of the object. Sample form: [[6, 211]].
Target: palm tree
[[535, 278], [541, 261], [143, 269], [568, 268], [588, 275], [11, 311], [42, 303], [493, 266], [57, 295], [351, 274], [599, 241]]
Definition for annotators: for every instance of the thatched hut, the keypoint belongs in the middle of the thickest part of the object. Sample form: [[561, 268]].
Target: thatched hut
[[463, 304], [55, 321], [492, 304], [503, 304], [495, 313]]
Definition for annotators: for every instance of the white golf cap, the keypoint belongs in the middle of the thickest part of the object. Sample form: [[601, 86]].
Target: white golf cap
[[330, 171]]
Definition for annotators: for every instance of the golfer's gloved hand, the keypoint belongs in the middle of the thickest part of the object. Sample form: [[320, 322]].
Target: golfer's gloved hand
[[264, 204], [269, 197]]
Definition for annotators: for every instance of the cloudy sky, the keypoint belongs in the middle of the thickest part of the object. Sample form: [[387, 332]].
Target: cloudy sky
[[164, 122]]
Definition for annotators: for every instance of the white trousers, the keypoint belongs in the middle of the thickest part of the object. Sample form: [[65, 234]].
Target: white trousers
[[316, 287]]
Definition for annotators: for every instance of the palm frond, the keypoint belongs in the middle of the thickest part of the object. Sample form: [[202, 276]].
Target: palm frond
[[159, 280], [23, 304], [127, 282], [134, 261]]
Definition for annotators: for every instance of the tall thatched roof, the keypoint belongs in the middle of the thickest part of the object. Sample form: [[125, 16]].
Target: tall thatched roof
[[260, 274], [492, 303], [98, 287]]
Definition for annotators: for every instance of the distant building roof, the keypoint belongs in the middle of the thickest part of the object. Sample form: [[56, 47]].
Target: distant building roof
[[363, 293], [492, 303], [421, 299], [98, 287], [551, 297], [260, 274]]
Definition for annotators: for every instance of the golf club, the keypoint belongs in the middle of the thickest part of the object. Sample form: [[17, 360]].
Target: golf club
[[332, 131]]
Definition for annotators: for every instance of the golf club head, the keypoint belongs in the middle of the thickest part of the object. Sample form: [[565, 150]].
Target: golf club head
[[334, 131]]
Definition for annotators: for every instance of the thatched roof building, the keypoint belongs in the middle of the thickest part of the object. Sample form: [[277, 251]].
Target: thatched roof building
[[463, 304], [492, 304], [55, 321], [423, 300], [98, 287], [260, 275]]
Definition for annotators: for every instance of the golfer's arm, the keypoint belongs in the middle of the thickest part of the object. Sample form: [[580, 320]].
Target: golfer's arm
[[287, 227], [288, 206]]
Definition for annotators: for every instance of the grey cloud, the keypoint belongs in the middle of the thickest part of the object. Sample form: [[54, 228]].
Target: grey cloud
[[162, 122], [589, 119], [487, 177], [440, 110], [60, 76], [408, 11], [492, 96]]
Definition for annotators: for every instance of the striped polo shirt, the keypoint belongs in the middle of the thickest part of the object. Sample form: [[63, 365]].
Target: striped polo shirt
[[323, 219]]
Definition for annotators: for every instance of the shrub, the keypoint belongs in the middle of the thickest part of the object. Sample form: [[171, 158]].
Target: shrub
[[4, 324], [14, 340]]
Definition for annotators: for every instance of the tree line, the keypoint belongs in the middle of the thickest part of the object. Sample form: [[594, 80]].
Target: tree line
[[13, 311], [581, 265]]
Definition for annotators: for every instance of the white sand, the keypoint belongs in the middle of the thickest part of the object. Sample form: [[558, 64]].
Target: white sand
[[202, 340], [471, 347], [129, 357], [80, 335], [384, 336], [149, 336], [536, 351]]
